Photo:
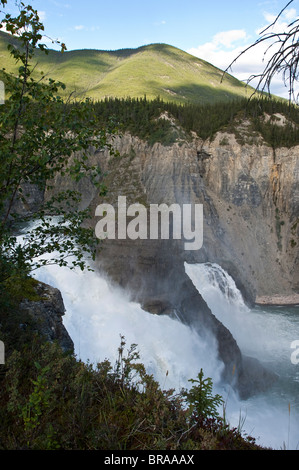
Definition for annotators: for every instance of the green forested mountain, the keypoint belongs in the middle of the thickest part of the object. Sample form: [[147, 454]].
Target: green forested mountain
[[153, 70]]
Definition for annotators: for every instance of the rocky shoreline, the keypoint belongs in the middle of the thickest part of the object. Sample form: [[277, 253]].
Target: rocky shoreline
[[278, 300]]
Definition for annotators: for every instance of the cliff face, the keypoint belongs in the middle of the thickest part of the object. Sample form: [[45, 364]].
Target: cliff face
[[47, 313], [250, 201], [255, 192], [250, 196]]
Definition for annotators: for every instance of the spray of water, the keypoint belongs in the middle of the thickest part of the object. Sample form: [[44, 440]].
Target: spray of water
[[97, 313], [265, 334]]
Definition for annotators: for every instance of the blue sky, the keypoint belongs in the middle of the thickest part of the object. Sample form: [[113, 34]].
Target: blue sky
[[213, 30]]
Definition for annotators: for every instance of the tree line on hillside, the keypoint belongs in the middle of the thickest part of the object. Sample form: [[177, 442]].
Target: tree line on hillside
[[146, 119]]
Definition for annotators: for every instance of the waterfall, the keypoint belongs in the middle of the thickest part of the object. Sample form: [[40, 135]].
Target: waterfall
[[262, 333], [223, 297], [266, 334], [97, 313]]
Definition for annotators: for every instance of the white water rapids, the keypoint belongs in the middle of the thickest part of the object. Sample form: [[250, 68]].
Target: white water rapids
[[97, 314]]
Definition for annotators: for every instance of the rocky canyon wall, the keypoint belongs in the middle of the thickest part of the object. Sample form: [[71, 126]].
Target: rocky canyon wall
[[250, 197], [249, 194]]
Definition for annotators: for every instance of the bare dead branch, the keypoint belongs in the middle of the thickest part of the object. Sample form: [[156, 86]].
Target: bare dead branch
[[284, 60]]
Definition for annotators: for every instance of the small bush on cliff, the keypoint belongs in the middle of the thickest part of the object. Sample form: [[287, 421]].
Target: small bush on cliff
[[202, 403]]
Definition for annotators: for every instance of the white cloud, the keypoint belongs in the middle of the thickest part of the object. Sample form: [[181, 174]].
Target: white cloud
[[222, 50], [270, 18], [291, 14], [281, 24], [42, 15], [81, 27], [227, 38]]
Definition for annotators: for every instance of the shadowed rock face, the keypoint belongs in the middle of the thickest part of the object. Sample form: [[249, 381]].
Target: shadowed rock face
[[250, 197], [47, 312]]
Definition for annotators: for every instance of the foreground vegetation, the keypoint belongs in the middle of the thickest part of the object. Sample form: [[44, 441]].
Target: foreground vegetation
[[50, 400]]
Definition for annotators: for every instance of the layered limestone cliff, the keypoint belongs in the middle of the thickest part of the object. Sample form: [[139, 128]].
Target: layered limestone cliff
[[250, 196]]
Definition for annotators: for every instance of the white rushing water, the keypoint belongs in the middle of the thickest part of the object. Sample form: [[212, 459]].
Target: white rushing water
[[266, 334], [97, 313]]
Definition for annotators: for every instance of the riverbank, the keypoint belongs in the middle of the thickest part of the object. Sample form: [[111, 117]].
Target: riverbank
[[291, 300]]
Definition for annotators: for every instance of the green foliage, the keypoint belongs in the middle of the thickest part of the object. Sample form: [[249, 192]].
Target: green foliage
[[201, 402], [38, 401], [146, 119], [50, 400], [40, 138]]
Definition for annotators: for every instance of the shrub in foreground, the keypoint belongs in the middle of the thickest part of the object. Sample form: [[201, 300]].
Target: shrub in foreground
[[50, 400]]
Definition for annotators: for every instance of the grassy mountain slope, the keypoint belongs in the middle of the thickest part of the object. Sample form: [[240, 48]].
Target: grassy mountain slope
[[153, 70]]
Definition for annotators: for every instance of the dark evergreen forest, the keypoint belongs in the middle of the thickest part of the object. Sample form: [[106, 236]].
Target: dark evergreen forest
[[146, 119]]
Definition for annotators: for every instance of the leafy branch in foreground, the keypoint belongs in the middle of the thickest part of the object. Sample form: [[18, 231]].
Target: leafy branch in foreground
[[42, 137]]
